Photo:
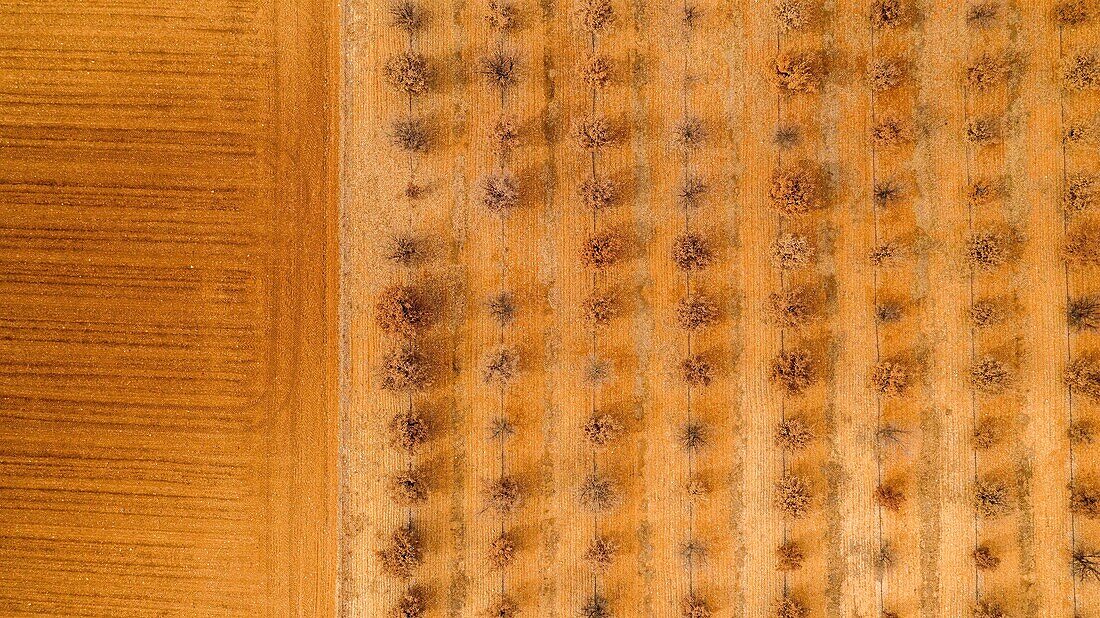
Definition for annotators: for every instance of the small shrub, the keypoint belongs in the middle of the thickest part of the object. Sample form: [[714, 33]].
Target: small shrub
[[408, 16], [600, 308], [792, 308], [597, 15], [598, 371], [1084, 501], [795, 191], [691, 252], [502, 607], [991, 498], [501, 428], [504, 495], [694, 606], [1082, 433], [795, 14], [1083, 244], [987, 608], [794, 434], [787, 136], [501, 366], [601, 429], [693, 436], [405, 369], [409, 429], [887, 73], [597, 72], [603, 250], [987, 433], [409, 72], [402, 310], [693, 552], [601, 553], [889, 312], [410, 135], [502, 550], [403, 552], [697, 311], [412, 604], [1085, 564], [889, 14], [599, 493], [595, 132], [410, 486], [792, 496], [500, 193], [504, 135], [983, 191], [403, 250], [983, 131], [502, 308], [799, 72], [986, 313], [891, 132], [690, 133], [1083, 376], [987, 250], [596, 606], [886, 254], [794, 371], [985, 559], [696, 371], [889, 496], [891, 378], [991, 69], [990, 375], [1082, 72], [887, 193], [790, 607], [691, 192], [982, 15], [599, 192], [791, 251], [502, 15], [789, 556], [1071, 13], [1082, 193]]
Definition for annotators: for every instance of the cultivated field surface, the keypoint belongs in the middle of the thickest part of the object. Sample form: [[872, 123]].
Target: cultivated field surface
[[721, 308]]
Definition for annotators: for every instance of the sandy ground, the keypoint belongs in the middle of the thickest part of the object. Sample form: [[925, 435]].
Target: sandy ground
[[722, 73]]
